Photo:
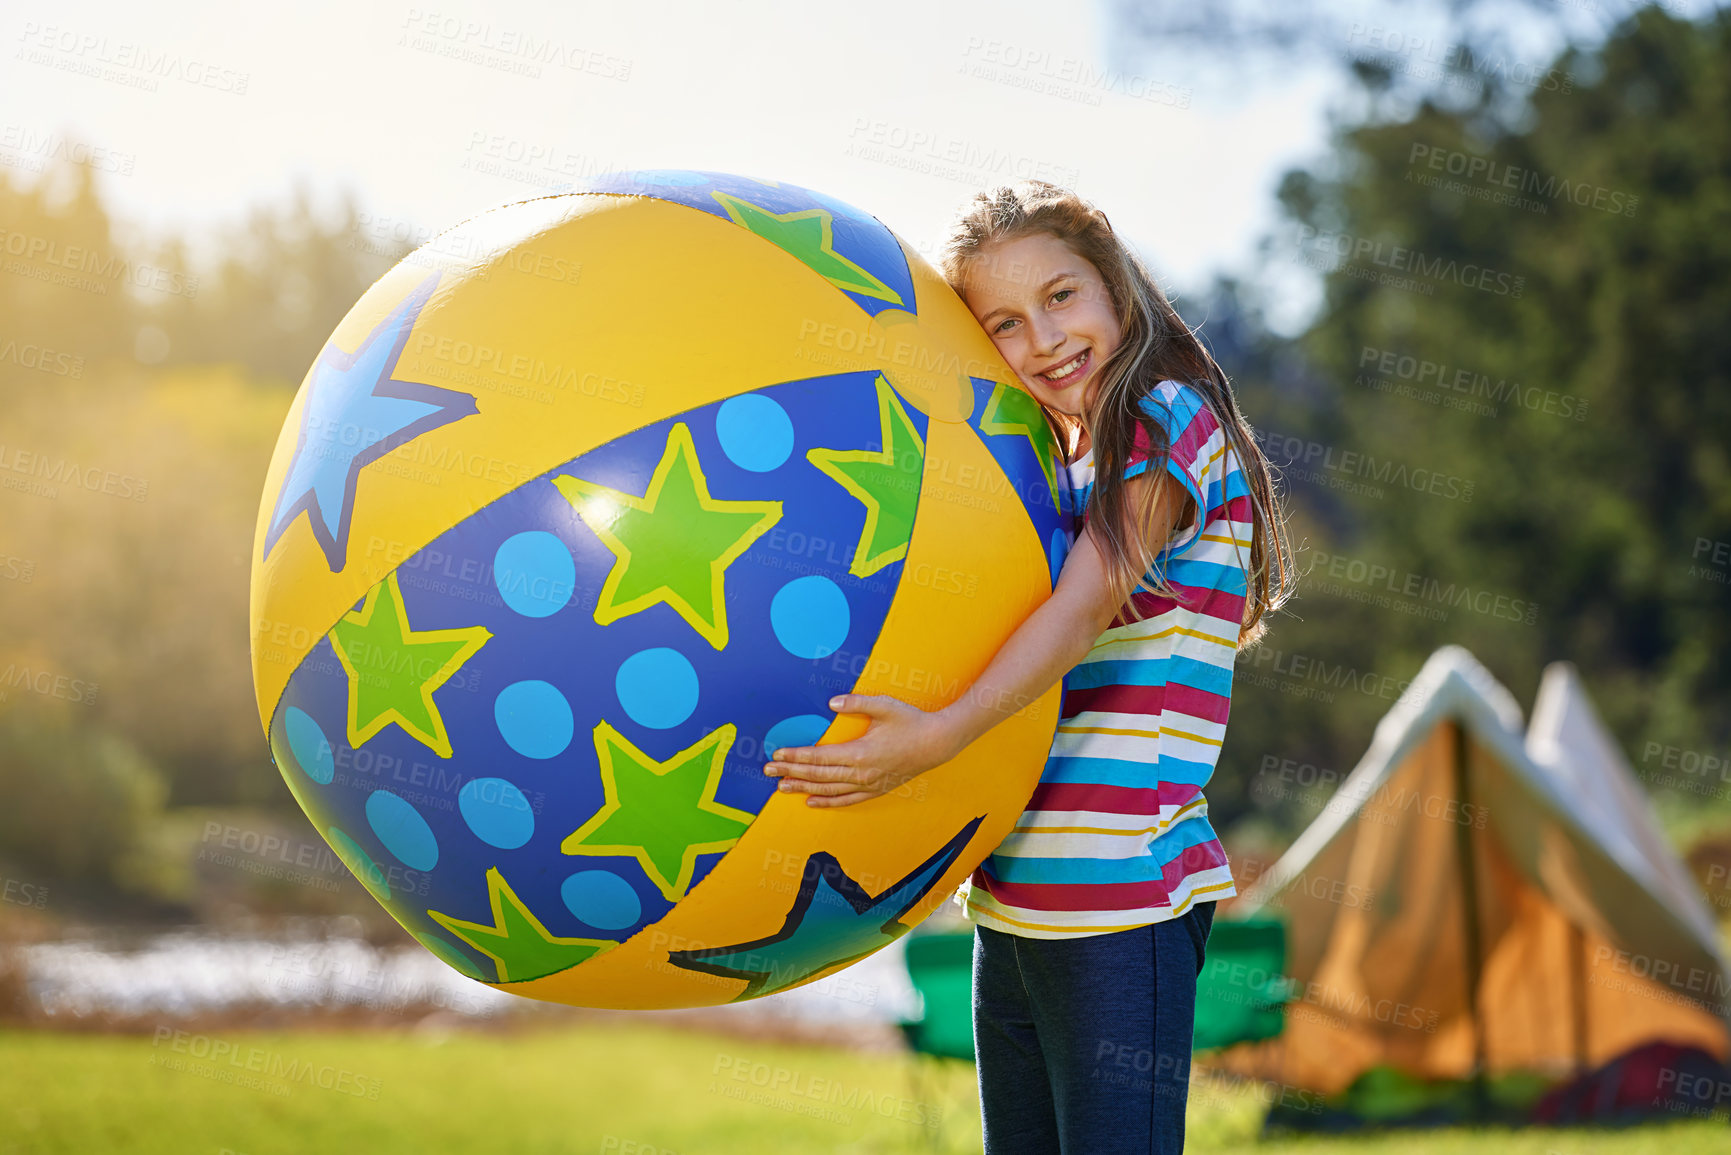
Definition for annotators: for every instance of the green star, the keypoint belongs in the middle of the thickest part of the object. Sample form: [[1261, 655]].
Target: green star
[[1012, 411], [518, 944], [393, 670], [886, 481], [807, 234], [662, 813], [674, 543]]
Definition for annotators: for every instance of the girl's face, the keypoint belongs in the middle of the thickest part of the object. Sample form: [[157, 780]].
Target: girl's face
[[1047, 309]]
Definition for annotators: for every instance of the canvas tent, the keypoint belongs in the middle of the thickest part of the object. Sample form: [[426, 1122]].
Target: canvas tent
[[1472, 900]]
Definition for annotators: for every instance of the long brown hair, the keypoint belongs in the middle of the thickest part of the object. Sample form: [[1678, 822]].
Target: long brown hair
[[1155, 345]]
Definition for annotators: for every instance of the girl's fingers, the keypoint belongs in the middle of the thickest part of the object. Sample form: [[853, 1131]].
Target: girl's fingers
[[840, 800], [871, 705], [836, 754], [810, 772], [806, 786]]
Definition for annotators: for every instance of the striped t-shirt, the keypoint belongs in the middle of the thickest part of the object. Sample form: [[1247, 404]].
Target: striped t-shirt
[[1117, 835]]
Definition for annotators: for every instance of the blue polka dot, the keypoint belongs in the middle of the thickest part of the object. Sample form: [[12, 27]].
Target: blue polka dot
[[402, 830], [799, 730], [497, 812], [307, 742], [657, 687], [754, 432], [1060, 551], [601, 899], [534, 718], [810, 617], [534, 573]]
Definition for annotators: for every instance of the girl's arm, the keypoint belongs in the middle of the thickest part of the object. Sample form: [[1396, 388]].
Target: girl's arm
[[904, 741]]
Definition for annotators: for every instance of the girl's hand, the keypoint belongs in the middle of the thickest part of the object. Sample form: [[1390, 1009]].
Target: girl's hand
[[901, 743]]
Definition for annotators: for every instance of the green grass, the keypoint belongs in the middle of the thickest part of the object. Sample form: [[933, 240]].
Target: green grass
[[629, 1089]]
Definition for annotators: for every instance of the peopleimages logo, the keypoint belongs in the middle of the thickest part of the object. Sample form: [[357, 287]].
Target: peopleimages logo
[[1391, 371], [1481, 170], [1352, 250]]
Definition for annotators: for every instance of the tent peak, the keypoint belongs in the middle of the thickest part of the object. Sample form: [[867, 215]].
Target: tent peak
[[1452, 683]]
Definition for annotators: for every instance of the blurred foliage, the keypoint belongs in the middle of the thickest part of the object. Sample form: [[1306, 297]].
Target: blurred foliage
[[80, 802], [1598, 443], [144, 597], [143, 398], [281, 283]]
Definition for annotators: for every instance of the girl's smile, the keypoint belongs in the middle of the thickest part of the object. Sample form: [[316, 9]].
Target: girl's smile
[[1071, 372], [1048, 311]]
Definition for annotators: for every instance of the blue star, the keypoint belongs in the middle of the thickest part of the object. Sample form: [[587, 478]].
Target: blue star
[[833, 921], [357, 412]]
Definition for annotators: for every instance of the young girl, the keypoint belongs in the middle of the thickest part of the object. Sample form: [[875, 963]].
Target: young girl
[[1093, 914]]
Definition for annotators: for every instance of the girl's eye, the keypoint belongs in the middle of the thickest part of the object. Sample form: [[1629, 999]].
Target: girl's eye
[[1061, 294], [1001, 324]]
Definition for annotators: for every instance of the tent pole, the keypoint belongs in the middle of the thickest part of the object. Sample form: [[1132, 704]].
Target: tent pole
[[1578, 985], [1470, 918]]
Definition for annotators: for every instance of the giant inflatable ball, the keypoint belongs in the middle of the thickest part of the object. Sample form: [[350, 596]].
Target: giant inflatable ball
[[592, 502]]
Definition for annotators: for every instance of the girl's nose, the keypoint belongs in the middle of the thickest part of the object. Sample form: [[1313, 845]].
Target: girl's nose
[[1048, 336]]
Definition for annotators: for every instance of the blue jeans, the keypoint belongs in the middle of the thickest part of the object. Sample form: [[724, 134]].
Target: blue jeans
[[1083, 1044]]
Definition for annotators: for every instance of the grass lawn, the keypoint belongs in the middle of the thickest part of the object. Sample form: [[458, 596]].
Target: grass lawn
[[628, 1089]]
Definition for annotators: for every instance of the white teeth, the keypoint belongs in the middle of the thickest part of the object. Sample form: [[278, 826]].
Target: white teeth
[[1065, 369]]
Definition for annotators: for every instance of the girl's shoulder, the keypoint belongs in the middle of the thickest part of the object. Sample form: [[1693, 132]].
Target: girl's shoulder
[[1176, 404], [1182, 413]]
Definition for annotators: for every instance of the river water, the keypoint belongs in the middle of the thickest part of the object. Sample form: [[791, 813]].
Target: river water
[[185, 974]]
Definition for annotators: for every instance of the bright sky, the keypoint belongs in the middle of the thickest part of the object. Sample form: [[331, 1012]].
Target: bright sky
[[432, 112]]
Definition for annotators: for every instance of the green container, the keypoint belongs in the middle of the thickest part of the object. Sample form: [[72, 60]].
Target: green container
[[1240, 996], [941, 967], [1242, 991]]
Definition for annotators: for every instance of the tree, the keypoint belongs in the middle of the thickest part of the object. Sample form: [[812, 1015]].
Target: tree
[[1527, 419]]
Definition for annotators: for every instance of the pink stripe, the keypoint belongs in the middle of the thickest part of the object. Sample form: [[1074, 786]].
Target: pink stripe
[[1104, 799], [1194, 860], [1173, 702], [1195, 703], [1203, 601], [1189, 445], [1172, 699], [1117, 699], [1026, 896]]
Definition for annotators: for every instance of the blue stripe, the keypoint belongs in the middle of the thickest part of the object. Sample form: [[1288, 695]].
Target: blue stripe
[[1183, 671], [1075, 871], [1176, 413], [1172, 669], [1190, 832], [1067, 771], [1185, 770], [1128, 672], [1083, 771], [1208, 575]]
